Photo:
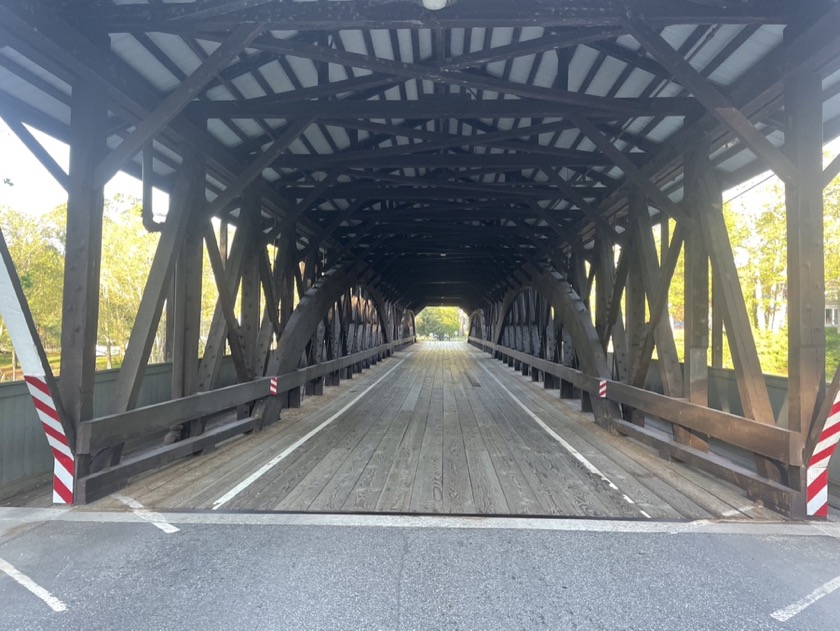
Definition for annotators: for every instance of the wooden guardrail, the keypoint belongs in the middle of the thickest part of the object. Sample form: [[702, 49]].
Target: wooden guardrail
[[766, 440], [113, 430]]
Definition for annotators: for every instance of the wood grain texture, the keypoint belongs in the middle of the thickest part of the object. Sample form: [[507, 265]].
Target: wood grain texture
[[439, 435]]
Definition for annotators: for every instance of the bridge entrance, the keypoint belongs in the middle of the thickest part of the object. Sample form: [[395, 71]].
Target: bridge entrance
[[440, 428], [338, 166]]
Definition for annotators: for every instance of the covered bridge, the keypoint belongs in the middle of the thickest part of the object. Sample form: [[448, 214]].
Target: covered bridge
[[515, 159]]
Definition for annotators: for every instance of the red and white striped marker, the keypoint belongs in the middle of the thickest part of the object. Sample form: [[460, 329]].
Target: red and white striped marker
[[18, 319], [272, 387], [817, 489], [64, 462], [602, 389]]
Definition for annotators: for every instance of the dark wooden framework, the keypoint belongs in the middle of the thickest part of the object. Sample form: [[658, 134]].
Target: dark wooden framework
[[377, 158]]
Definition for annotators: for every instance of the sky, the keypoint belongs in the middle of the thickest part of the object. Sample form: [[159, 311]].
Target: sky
[[35, 191]]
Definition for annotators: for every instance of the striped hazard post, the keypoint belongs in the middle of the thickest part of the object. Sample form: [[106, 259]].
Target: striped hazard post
[[39, 380], [602, 389], [64, 466], [817, 489], [272, 387]]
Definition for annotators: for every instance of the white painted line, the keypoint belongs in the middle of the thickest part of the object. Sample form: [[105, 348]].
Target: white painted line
[[574, 452], [256, 475], [15, 517], [21, 579], [737, 511], [156, 519], [783, 615]]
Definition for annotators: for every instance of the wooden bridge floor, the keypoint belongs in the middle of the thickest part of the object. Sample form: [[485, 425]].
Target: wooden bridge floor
[[441, 428]]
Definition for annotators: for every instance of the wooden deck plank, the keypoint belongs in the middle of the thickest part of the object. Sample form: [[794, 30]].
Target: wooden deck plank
[[487, 490], [588, 494], [427, 490], [647, 468], [645, 472], [441, 436], [366, 493], [519, 496], [273, 487], [242, 456], [396, 493], [336, 491], [457, 487]]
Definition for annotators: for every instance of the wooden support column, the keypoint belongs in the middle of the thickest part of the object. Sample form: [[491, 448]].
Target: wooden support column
[[215, 346], [186, 197], [249, 309], [83, 251], [187, 320], [698, 194], [806, 281], [270, 326], [656, 282], [729, 296], [717, 326], [635, 302], [187, 315], [609, 301]]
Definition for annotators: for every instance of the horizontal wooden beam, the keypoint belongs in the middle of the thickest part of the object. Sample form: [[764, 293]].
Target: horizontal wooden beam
[[464, 161], [774, 495], [567, 38], [371, 14], [772, 441], [115, 429], [175, 102], [715, 102], [450, 106]]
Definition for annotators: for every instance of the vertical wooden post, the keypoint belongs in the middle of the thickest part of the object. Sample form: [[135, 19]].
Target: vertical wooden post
[[187, 193], [186, 294], [83, 252], [696, 284], [806, 281], [187, 314], [717, 325], [249, 311]]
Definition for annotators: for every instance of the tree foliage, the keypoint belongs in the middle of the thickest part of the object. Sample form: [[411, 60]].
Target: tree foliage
[[37, 248], [757, 228], [438, 321]]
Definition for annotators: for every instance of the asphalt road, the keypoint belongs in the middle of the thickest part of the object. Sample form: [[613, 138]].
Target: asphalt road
[[231, 571]]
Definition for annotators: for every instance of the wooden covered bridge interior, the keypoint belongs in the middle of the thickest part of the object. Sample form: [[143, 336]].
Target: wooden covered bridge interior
[[519, 160]]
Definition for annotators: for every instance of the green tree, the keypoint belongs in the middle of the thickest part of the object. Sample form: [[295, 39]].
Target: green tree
[[438, 320], [127, 254], [37, 249]]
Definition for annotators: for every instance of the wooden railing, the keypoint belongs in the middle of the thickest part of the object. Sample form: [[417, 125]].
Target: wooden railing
[[109, 432], [762, 439]]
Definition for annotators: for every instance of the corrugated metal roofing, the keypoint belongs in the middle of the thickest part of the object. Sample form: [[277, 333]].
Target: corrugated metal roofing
[[613, 65]]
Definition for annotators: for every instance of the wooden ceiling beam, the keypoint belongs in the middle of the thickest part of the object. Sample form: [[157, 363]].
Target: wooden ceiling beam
[[373, 14], [448, 106], [174, 103], [713, 99]]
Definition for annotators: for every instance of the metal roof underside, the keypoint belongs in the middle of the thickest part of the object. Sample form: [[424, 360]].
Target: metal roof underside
[[444, 146]]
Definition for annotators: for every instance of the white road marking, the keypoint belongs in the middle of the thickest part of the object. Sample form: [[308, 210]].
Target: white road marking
[[735, 512], [21, 579], [224, 499], [156, 519], [574, 452], [783, 615], [14, 517]]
